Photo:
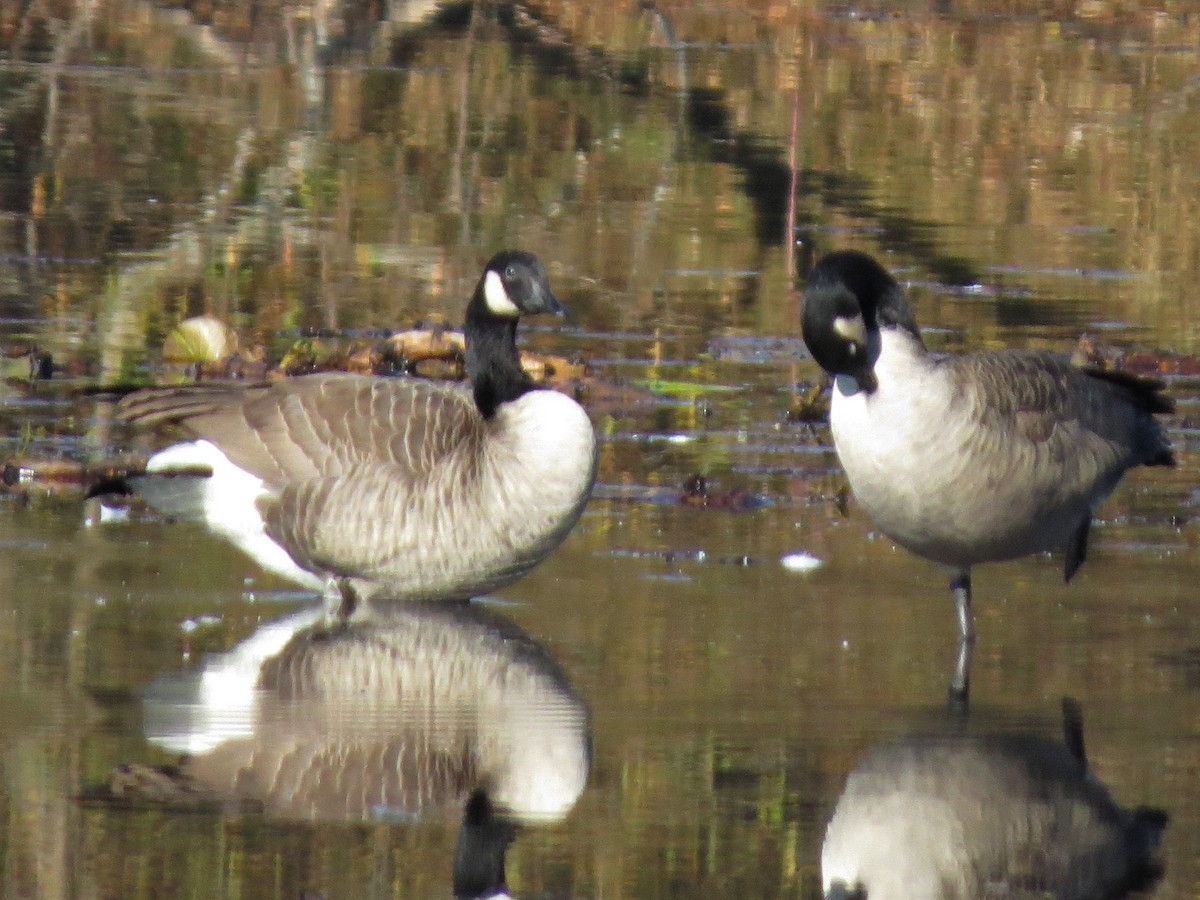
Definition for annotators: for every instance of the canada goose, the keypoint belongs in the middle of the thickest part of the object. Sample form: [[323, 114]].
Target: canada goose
[[361, 487], [427, 709], [959, 816], [975, 458], [404, 715]]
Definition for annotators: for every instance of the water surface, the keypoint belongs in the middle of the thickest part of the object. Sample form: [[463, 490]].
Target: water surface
[[1030, 175]]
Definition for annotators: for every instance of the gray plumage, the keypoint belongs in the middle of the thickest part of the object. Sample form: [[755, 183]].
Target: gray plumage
[[385, 487], [975, 458], [1011, 452], [960, 816]]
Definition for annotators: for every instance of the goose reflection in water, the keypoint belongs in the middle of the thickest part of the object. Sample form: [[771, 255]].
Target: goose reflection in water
[[961, 816], [428, 709]]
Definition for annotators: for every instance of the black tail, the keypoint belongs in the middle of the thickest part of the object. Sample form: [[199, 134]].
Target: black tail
[[1147, 395]]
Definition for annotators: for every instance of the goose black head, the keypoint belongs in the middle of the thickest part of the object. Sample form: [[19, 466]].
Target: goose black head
[[840, 891], [848, 298], [514, 284], [483, 840]]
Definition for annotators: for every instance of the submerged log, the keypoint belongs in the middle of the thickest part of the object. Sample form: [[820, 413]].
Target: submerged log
[[51, 477]]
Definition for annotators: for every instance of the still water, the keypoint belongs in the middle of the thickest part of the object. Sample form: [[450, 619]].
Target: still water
[[1031, 176]]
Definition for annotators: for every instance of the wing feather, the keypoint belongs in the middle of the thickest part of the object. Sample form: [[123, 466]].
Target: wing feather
[[1091, 425], [318, 426]]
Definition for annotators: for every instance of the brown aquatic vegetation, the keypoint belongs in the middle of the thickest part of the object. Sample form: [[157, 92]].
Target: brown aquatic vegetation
[[1093, 353], [698, 492]]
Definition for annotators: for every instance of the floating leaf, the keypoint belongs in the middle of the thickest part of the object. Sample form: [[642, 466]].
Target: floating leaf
[[668, 388], [200, 339]]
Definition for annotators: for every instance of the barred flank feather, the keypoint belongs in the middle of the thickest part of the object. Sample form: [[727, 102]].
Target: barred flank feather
[[398, 487]]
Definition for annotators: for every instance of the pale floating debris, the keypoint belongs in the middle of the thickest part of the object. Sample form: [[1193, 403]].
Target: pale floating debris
[[200, 339], [110, 514], [497, 601], [187, 626], [800, 562], [670, 577]]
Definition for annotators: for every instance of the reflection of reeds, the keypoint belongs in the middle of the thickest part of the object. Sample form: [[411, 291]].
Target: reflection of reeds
[[1050, 144], [1013, 140]]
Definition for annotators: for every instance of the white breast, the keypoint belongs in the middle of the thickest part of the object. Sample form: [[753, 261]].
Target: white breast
[[922, 467], [542, 456], [892, 442], [492, 512], [545, 434]]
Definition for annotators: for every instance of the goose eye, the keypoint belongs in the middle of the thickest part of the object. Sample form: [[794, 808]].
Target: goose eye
[[510, 272]]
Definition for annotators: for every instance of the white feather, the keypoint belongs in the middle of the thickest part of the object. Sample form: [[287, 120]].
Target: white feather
[[197, 712], [226, 501], [497, 297]]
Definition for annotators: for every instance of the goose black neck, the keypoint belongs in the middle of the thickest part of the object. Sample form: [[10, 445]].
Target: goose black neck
[[479, 852], [493, 363]]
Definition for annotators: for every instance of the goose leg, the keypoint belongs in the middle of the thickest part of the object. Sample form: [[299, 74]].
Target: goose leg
[[1077, 548], [340, 602], [960, 681], [1073, 729], [960, 587], [959, 696]]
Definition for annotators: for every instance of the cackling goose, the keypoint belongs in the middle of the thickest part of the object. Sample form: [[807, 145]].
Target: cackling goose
[[955, 815], [974, 458]]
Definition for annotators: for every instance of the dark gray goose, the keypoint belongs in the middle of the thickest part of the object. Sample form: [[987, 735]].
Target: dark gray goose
[[360, 487], [428, 710], [975, 458], [952, 815]]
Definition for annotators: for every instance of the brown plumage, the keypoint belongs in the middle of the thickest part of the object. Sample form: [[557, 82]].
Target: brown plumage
[[404, 715], [367, 487], [314, 426]]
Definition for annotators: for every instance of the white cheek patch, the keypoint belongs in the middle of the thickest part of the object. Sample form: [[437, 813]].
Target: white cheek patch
[[497, 297], [851, 328]]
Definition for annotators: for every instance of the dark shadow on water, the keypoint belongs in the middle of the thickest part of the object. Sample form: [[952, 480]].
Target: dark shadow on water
[[766, 175], [767, 179]]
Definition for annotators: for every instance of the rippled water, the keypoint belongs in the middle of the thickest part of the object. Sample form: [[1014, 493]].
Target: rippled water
[[1030, 176]]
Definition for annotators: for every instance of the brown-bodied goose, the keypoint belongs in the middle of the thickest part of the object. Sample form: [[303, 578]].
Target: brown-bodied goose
[[426, 711], [975, 458], [360, 487], [960, 816]]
